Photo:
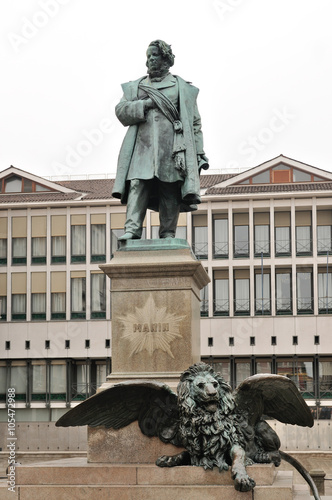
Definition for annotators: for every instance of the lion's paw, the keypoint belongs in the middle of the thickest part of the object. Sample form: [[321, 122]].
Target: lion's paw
[[243, 482], [174, 460]]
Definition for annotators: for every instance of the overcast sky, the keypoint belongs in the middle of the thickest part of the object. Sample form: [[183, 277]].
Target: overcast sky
[[263, 67]]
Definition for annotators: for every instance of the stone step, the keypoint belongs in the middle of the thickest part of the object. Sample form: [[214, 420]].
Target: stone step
[[301, 492]]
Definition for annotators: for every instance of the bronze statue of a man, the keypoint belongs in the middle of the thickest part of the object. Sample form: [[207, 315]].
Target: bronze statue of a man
[[162, 152]]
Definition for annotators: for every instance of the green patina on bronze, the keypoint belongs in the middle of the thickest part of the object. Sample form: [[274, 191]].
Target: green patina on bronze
[[162, 153]]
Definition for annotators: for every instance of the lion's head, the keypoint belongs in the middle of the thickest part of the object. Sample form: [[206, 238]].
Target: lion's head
[[201, 387]]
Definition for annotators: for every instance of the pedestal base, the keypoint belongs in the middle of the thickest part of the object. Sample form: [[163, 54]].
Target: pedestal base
[[75, 479]]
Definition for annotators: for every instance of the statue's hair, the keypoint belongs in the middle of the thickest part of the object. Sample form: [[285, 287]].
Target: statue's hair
[[165, 50], [226, 400]]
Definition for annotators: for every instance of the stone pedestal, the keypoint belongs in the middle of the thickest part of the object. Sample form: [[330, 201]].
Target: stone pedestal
[[155, 288], [75, 479]]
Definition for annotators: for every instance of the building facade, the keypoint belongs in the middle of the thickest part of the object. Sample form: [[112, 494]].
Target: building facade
[[264, 237]]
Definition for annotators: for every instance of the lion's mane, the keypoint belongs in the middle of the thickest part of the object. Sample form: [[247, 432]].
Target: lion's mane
[[208, 436]]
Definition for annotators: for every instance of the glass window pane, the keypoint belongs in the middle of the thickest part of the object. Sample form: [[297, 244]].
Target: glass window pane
[[220, 237], [282, 240], [38, 247], [283, 293], [223, 368], [204, 296], [27, 186], [13, 185], [78, 240], [221, 297], [242, 372], [325, 379], [98, 239], [304, 292], [324, 239], [38, 379], [262, 240], [303, 239], [58, 246], [19, 247], [241, 240], [98, 292], [242, 297], [263, 294], [262, 178], [300, 176], [325, 292], [19, 303], [58, 302], [18, 380], [58, 379], [77, 295], [200, 242], [101, 374], [263, 366], [3, 248], [38, 303]]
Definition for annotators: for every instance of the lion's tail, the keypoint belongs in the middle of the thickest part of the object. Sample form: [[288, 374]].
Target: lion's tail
[[304, 473]]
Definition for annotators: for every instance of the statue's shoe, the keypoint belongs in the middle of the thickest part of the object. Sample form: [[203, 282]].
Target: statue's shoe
[[128, 236]]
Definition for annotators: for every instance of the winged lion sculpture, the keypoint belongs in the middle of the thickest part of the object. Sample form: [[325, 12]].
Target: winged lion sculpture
[[217, 427]]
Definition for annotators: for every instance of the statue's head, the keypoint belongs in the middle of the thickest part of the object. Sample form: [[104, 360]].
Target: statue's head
[[159, 57]]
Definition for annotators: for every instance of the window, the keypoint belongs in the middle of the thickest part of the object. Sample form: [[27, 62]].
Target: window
[[220, 236], [262, 178], [78, 243], [262, 240], [200, 236], [262, 294], [58, 249], [300, 371], [3, 381], [282, 241], [283, 292], [204, 296], [241, 292], [19, 247], [98, 295], [303, 240], [3, 308], [282, 234], [241, 241], [58, 382], [3, 251], [324, 292], [81, 387], [324, 239], [19, 240], [18, 306], [324, 231], [38, 391], [38, 250], [242, 371], [19, 379], [38, 239], [305, 302], [263, 366], [221, 293], [38, 306], [98, 242], [241, 235], [181, 232], [325, 379], [58, 305], [222, 367], [58, 240], [78, 297]]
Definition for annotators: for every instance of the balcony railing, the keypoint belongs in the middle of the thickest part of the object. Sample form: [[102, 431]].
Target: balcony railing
[[200, 250], [284, 306], [324, 245], [82, 391], [325, 305], [305, 305], [263, 306], [283, 247], [304, 246], [221, 307], [220, 250], [204, 308], [241, 248], [241, 307], [262, 246]]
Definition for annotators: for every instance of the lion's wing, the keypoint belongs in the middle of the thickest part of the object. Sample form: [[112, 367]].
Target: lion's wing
[[275, 396], [153, 404]]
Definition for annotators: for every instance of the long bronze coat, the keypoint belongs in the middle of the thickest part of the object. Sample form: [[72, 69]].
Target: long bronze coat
[[146, 151]]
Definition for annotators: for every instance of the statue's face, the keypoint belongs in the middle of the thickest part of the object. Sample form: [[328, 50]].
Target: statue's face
[[205, 391], [154, 60]]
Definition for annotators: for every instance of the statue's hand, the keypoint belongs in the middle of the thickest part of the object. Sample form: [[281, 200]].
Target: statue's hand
[[148, 104]]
